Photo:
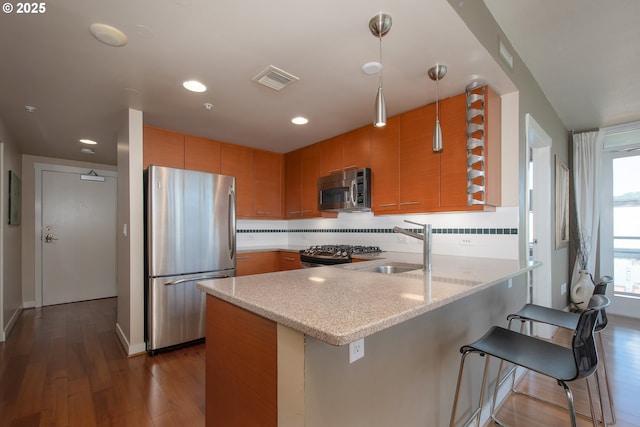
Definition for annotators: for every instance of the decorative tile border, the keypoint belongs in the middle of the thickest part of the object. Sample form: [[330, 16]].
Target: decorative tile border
[[493, 231]]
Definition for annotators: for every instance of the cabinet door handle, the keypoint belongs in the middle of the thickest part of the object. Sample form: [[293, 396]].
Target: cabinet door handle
[[350, 167], [387, 204], [295, 213], [334, 170], [410, 203], [307, 211], [263, 213], [288, 259], [242, 257]]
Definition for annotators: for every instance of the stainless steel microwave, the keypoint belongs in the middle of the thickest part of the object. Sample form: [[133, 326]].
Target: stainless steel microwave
[[348, 191]]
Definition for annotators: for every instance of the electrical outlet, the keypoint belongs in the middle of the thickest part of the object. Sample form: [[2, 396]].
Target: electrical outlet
[[466, 241], [510, 283], [563, 289], [356, 350]]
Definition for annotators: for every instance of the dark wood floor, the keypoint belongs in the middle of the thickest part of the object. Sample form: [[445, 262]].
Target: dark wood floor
[[63, 366]]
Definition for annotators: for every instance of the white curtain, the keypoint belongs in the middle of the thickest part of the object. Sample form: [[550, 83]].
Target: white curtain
[[587, 160]]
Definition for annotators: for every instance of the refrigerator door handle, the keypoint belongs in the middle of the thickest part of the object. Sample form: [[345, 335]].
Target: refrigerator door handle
[[232, 224], [213, 276]]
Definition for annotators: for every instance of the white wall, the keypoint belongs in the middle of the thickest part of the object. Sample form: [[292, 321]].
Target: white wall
[[130, 317], [10, 241]]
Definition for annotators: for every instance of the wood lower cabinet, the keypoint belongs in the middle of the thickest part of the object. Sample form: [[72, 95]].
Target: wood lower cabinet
[[288, 260], [256, 263], [241, 367], [248, 263]]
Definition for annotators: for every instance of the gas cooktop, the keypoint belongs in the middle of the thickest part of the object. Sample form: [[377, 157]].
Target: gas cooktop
[[336, 254]]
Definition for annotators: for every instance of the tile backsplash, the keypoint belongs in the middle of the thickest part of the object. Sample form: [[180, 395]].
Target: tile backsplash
[[481, 234]]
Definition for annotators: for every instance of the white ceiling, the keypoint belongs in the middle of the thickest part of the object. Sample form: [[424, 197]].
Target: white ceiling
[[585, 55], [82, 88]]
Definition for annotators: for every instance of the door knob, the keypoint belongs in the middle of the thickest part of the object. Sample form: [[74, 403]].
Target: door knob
[[48, 237]]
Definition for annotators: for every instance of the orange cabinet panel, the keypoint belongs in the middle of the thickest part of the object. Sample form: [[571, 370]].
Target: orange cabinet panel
[[293, 184], [419, 165], [356, 148], [331, 155], [256, 263], [385, 166], [236, 160], [453, 159], [162, 147], [309, 169], [288, 260], [269, 172], [201, 154]]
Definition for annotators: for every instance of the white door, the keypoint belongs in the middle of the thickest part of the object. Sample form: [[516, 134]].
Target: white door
[[78, 238], [619, 225]]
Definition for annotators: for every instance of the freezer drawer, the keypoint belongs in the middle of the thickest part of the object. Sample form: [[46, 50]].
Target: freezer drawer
[[175, 309]]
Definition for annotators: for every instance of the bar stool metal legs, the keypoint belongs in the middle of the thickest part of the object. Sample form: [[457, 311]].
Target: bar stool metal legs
[[552, 360]]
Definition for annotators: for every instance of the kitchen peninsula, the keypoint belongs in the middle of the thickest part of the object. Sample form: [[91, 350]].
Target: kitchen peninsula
[[277, 343]]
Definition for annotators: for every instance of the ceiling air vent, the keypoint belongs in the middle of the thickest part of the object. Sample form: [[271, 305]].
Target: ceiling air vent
[[275, 78]]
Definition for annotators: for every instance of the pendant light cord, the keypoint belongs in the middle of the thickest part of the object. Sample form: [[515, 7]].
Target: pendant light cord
[[380, 52], [437, 95]]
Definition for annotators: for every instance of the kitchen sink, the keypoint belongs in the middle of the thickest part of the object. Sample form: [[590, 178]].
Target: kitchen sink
[[392, 268]]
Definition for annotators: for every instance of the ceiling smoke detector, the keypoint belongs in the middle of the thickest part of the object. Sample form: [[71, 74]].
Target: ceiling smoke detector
[[275, 78]]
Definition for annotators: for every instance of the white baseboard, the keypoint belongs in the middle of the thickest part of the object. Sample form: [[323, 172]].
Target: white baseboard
[[10, 324], [29, 304], [130, 349]]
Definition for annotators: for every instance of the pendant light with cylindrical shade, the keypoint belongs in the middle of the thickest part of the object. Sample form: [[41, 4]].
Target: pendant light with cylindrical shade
[[436, 73], [380, 26]]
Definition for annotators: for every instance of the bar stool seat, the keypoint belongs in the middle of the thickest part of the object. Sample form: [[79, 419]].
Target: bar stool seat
[[552, 360], [569, 320]]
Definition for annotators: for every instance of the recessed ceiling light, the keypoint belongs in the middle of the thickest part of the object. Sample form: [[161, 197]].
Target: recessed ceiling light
[[30, 108], [88, 141], [194, 86], [371, 68], [87, 151], [108, 35], [300, 120]]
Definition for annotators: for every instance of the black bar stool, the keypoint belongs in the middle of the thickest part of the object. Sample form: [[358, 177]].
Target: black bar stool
[[555, 361], [569, 320]]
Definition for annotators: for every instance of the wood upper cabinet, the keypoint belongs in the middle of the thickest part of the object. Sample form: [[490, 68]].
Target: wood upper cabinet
[[201, 154], [385, 166], [301, 177], [356, 148], [348, 151], [293, 184], [161, 147], [269, 179], [236, 160], [419, 165], [453, 158], [310, 172]]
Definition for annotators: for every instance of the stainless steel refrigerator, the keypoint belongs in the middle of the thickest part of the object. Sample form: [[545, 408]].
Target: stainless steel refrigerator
[[190, 236]]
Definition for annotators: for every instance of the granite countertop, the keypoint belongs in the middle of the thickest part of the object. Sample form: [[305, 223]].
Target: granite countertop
[[341, 304]]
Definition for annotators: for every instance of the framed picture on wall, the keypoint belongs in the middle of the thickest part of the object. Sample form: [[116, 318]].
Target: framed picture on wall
[[562, 204], [14, 199]]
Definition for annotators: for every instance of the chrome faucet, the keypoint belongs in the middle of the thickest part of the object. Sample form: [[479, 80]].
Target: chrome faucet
[[426, 239]]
